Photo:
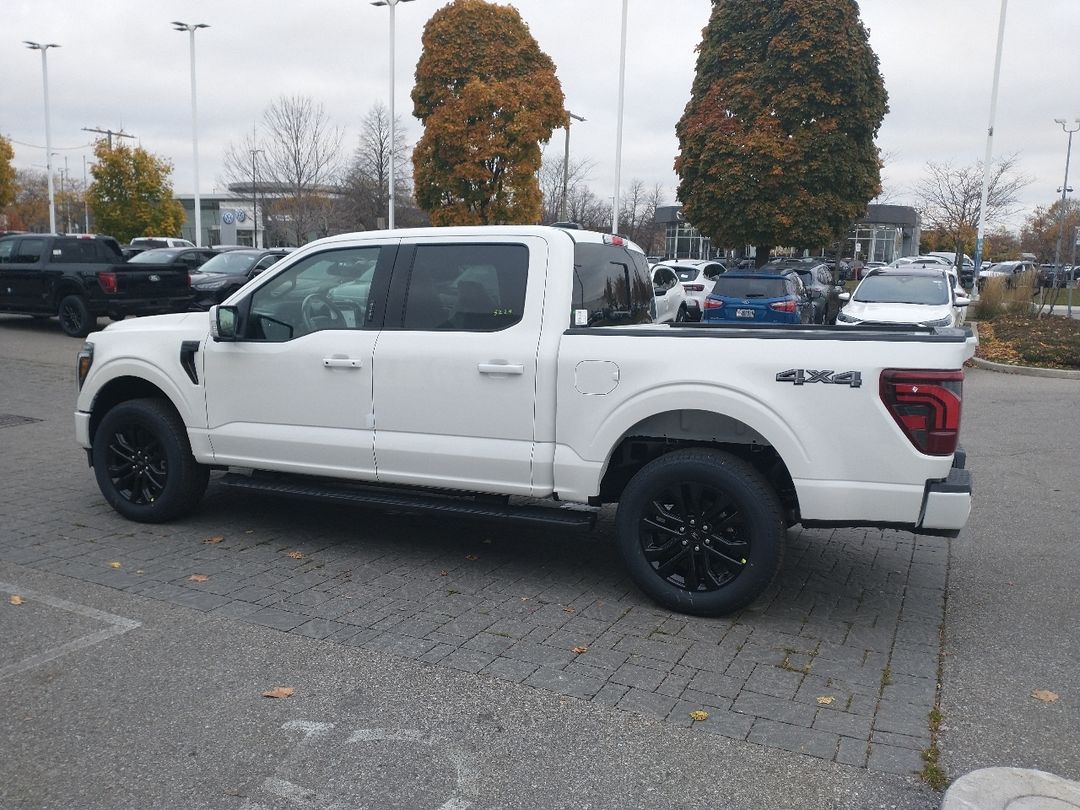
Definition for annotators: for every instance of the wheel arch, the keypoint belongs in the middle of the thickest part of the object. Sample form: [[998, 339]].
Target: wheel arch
[[65, 288], [769, 448], [127, 386]]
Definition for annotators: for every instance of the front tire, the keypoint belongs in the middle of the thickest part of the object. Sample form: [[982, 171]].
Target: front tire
[[700, 531], [75, 317], [143, 462]]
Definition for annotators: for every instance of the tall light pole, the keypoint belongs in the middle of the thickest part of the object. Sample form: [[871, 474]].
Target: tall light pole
[[191, 29], [390, 181], [1064, 190], [989, 149], [254, 200], [618, 132], [44, 47], [566, 163], [85, 204]]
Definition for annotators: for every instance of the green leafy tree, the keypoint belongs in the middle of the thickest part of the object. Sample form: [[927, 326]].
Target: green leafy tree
[[777, 141], [8, 186], [131, 195], [488, 97]]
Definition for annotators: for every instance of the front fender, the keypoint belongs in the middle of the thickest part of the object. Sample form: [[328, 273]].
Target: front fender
[[187, 398]]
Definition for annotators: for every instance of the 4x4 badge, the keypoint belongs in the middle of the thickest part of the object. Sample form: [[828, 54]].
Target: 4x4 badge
[[800, 376]]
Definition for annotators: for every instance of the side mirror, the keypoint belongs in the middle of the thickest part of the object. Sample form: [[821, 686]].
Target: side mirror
[[963, 302], [223, 323], [845, 296]]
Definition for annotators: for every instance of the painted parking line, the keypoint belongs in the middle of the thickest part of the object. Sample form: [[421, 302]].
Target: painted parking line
[[117, 626]]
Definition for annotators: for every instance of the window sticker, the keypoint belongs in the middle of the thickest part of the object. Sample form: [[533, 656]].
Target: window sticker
[[581, 317]]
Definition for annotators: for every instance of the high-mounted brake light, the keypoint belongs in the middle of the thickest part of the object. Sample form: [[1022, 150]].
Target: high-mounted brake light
[[108, 282], [926, 406], [614, 239], [782, 306]]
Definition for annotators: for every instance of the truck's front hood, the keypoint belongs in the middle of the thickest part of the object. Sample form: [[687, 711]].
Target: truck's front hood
[[176, 322]]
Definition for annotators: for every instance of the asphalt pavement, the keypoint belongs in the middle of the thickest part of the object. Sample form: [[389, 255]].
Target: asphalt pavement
[[116, 696]]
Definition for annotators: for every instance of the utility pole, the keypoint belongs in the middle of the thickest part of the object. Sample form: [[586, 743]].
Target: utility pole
[[108, 133], [254, 200]]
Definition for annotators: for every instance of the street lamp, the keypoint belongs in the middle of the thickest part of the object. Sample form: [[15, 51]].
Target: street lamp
[[566, 163], [1064, 190], [254, 200], [989, 147], [618, 131], [43, 47], [191, 29], [391, 4]]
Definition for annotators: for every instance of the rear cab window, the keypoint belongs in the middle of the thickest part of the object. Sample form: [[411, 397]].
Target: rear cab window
[[611, 286]]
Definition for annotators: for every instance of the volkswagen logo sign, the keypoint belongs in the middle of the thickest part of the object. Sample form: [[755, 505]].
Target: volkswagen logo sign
[[227, 217], [241, 216]]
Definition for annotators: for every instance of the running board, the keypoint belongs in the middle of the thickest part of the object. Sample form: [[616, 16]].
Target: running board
[[419, 503]]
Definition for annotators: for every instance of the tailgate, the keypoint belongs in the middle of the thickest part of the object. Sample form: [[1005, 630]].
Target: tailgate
[[151, 281]]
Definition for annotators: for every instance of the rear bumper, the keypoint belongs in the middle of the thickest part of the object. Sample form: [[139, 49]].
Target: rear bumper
[[947, 503]]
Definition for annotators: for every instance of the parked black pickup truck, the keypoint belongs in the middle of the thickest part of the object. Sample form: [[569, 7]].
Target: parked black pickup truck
[[80, 278]]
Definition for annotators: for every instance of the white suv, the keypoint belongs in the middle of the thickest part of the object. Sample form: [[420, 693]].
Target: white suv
[[150, 242]]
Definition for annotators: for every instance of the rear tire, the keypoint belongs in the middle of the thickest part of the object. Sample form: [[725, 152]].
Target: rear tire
[[75, 317], [700, 531], [143, 462]]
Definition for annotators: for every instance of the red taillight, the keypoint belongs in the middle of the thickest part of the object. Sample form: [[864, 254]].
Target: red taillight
[[926, 406], [189, 278], [713, 303], [108, 282], [694, 287], [782, 306]]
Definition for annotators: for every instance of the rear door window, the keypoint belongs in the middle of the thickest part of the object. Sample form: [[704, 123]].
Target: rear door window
[[466, 287], [29, 251], [611, 286]]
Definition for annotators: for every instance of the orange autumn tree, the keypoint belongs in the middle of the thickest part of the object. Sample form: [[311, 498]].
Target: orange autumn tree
[[131, 194], [488, 98], [777, 141]]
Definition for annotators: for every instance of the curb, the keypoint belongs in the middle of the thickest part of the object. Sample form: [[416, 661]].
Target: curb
[[1025, 371], [1002, 788]]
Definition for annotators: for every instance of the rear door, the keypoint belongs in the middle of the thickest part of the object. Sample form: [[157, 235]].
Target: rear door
[[455, 366]]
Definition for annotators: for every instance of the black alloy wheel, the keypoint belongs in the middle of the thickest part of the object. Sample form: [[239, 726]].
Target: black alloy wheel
[[700, 531], [75, 317], [143, 462]]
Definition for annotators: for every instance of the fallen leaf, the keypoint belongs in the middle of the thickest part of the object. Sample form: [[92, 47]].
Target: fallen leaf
[[579, 650], [568, 610], [825, 700], [16, 599], [699, 715], [114, 564], [444, 573], [198, 578], [217, 538], [1045, 695], [296, 555], [471, 557], [279, 692]]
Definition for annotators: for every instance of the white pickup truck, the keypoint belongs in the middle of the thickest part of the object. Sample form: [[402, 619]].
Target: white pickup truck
[[462, 370]]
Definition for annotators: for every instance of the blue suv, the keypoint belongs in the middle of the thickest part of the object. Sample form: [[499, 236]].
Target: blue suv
[[749, 297]]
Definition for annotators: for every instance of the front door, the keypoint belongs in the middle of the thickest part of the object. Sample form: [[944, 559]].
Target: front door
[[22, 282], [455, 366], [294, 392]]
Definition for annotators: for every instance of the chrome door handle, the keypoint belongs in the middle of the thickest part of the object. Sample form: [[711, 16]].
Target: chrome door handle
[[500, 368], [341, 362]]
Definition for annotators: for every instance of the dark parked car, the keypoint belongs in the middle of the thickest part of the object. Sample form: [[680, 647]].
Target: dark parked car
[[818, 280], [191, 258], [758, 297], [227, 272]]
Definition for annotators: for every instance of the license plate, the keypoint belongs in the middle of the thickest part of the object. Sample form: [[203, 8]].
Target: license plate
[[744, 313]]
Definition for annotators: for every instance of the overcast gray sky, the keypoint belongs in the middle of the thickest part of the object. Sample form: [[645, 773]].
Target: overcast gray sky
[[122, 65]]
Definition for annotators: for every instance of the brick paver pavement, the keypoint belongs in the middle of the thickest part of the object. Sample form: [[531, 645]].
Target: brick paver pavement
[[838, 660]]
